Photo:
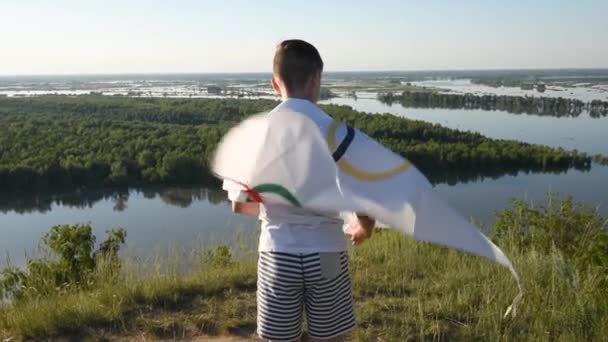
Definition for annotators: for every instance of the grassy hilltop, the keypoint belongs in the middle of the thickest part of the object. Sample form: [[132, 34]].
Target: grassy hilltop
[[404, 290]]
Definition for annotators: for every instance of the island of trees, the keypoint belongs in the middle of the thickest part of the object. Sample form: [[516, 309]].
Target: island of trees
[[67, 142], [505, 82], [553, 106]]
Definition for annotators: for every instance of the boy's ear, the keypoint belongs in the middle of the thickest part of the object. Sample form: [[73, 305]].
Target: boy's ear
[[275, 86], [317, 77], [315, 80]]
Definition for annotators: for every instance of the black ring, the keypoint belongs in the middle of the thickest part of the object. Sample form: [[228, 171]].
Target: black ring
[[339, 152]]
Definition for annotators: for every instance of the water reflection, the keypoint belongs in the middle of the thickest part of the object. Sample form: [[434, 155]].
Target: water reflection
[[180, 197], [160, 219], [43, 202], [184, 197], [442, 175]]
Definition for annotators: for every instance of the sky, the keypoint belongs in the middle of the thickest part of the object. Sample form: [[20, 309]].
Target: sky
[[183, 36]]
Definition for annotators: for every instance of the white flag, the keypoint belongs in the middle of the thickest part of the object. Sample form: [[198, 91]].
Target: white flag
[[285, 157]]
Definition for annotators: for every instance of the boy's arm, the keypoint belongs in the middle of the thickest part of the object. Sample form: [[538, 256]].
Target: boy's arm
[[247, 209], [239, 200]]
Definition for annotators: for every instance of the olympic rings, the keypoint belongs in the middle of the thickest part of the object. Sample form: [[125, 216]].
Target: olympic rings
[[348, 168], [254, 194]]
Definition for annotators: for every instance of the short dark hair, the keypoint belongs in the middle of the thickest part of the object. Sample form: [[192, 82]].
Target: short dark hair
[[295, 62]]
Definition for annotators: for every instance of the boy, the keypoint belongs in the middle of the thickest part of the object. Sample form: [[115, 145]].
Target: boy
[[302, 265]]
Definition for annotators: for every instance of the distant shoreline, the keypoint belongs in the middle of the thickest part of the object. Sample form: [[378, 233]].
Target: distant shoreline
[[527, 71]]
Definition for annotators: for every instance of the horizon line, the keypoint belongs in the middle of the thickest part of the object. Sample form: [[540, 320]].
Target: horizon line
[[327, 71]]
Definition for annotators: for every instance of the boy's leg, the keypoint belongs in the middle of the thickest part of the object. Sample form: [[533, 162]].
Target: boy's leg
[[280, 296], [328, 297]]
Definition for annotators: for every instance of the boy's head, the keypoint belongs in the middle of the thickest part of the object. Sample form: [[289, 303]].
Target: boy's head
[[297, 70]]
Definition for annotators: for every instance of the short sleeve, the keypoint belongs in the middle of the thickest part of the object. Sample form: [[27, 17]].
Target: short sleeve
[[235, 191]]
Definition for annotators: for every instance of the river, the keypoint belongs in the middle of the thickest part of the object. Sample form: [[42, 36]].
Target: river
[[174, 220]]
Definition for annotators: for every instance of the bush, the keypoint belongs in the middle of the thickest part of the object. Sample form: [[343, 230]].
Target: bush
[[218, 257], [575, 230], [76, 260]]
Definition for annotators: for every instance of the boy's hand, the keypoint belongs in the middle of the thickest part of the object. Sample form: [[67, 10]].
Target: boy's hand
[[360, 229], [357, 234]]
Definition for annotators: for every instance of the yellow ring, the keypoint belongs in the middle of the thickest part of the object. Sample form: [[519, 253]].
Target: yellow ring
[[352, 171]]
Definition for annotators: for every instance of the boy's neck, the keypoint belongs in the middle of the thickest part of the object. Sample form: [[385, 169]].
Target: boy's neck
[[296, 97], [302, 94]]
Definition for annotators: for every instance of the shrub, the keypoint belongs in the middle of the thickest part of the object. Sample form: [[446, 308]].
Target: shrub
[[575, 230], [218, 257], [74, 261]]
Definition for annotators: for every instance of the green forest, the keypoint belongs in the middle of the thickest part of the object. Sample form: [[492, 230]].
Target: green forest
[[67, 142], [549, 106]]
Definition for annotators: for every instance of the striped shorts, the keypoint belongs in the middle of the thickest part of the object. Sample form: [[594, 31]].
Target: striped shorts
[[290, 285]]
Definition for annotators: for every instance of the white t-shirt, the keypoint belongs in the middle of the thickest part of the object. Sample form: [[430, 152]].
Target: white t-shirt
[[290, 229]]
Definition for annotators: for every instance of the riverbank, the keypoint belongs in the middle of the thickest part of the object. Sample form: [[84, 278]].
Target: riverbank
[[404, 290]]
